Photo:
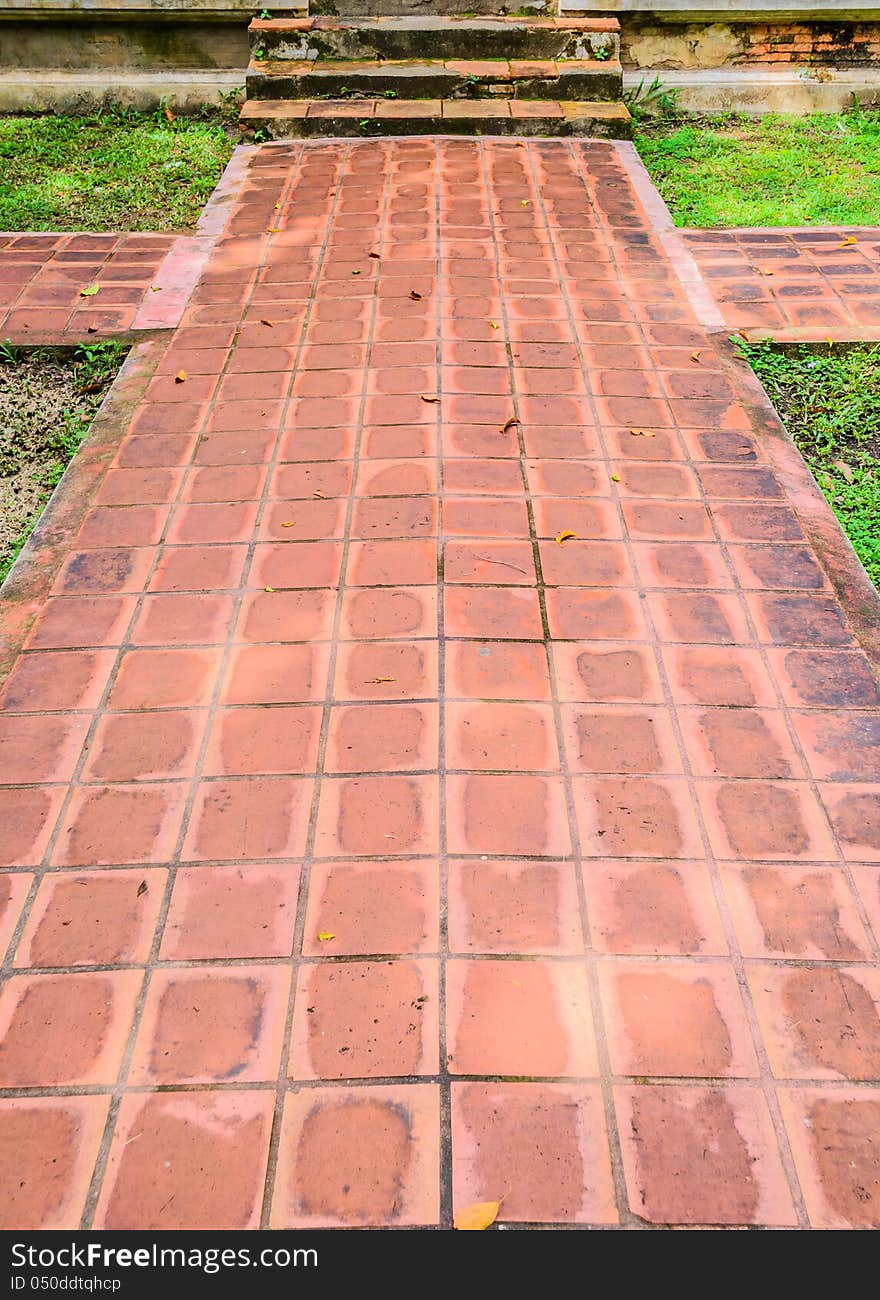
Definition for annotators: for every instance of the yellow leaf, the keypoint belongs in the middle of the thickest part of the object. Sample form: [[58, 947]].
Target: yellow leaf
[[89, 291], [478, 1217], [156, 288], [493, 324], [326, 935], [269, 589], [642, 433], [846, 243], [695, 356], [524, 203], [615, 478], [509, 424], [564, 537], [181, 377], [322, 495], [377, 681], [289, 523], [273, 230], [355, 272]]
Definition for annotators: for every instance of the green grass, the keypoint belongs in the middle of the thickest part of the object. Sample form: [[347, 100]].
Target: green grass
[[769, 171], [115, 170], [830, 402]]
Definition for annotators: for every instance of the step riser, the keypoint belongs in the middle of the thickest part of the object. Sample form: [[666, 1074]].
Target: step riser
[[437, 84], [501, 42], [303, 128], [423, 8]]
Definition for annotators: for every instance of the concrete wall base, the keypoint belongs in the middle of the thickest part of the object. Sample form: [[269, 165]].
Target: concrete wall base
[[756, 91], [185, 90]]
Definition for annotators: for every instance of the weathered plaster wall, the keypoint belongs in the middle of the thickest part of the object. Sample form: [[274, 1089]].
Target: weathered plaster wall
[[655, 43]]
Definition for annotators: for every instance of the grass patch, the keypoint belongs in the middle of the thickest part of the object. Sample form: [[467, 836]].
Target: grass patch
[[116, 170], [47, 404], [830, 402], [771, 171]]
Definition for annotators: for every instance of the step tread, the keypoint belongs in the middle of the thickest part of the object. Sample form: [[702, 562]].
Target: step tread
[[433, 23]]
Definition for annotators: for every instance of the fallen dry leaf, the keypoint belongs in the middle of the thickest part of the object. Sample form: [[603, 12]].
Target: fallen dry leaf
[[848, 242], [416, 297], [89, 291], [376, 255], [425, 398], [356, 273], [181, 377], [695, 356], [142, 888], [642, 433], [273, 230], [326, 935], [378, 681], [846, 470], [509, 424], [322, 495], [564, 536], [289, 523], [493, 324], [269, 589], [155, 288], [477, 1217], [268, 323], [615, 478]]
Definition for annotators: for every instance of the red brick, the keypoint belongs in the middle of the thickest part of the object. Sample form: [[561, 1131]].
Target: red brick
[[676, 1019], [365, 1019], [541, 1149], [98, 918], [55, 1141], [65, 1029], [248, 819], [199, 1162], [834, 1141], [359, 1157], [211, 1026], [519, 1018], [372, 907], [702, 1156]]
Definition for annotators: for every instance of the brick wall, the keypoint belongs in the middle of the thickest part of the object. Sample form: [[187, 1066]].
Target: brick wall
[[841, 45]]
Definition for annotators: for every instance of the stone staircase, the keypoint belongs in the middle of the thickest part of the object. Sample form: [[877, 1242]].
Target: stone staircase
[[437, 73]]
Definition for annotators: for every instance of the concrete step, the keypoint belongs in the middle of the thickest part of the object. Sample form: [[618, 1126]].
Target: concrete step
[[411, 8], [280, 119], [435, 37], [434, 79]]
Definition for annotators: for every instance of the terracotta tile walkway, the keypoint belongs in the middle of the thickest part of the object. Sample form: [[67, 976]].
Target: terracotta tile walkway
[[144, 282], [368, 851], [808, 284]]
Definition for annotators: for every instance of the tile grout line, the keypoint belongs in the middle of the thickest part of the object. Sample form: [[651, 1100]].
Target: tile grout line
[[342, 152], [765, 1074], [118, 1091]]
